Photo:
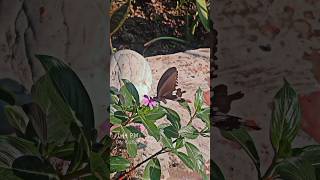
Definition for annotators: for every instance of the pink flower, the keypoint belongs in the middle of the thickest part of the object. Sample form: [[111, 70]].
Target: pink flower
[[149, 101], [139, 127]]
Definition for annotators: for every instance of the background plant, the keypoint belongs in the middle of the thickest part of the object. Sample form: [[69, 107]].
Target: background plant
[[200, 17], [58, 125], [193, 21], [120, 11], [288, 162], [126, 111]]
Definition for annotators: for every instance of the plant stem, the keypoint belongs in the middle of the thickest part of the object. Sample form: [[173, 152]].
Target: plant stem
[[271, 167], [161, 151], [192, 117]]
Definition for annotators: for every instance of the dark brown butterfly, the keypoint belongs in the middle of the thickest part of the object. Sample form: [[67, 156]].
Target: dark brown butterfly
[[221, 106], [167, 85], [222, 100]]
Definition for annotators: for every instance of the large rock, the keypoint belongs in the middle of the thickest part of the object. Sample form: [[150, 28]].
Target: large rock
[[193, 72], [130, 65]]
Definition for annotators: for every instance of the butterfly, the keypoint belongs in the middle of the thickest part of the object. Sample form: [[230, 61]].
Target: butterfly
[[222, 100], [221, 106], [166, 88]]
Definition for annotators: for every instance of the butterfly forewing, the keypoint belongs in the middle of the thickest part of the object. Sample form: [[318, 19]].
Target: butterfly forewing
[[167, 83]]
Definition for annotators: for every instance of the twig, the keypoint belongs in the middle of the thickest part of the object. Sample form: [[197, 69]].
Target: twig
[[191, 119], [144, 161]]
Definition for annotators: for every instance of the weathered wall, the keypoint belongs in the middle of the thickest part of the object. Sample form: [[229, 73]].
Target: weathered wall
[[259, 43], [74, 31]]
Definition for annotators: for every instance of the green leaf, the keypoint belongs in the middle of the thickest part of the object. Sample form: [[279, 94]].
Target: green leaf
[[203, 14], [153, 114], [204, 115], [295, 169], [16, 117], [152, 170], [132, 90], [118, 117], [114, 90], [77, 158], [126, 98], [196, 157], [59, 114], [121, 115], [173, 117], [242, 137], [136, 133], [311, 154], [171, 132], [12, 147], [166, 141], [98, 167], [78, 133], [65, 151], [8, 174], [118, 17], [151, 127], [114, 120], [33, 167], [118, 163], [38, 120], [198, 101], [179, 143], [186, 106], [7, 96], [71, 89], [186, 160], [215, 172], [194, 25], [131, 143], [286, 117], [189, 132]]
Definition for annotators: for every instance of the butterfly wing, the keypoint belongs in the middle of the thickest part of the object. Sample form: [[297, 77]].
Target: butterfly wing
[[167, 83]]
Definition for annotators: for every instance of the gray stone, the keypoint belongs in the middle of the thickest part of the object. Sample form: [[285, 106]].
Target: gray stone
[[130, 65]]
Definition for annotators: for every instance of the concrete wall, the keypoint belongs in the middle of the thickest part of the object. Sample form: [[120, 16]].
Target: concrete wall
[[74, 31]]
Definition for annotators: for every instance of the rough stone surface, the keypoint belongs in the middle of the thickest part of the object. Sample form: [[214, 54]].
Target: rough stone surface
[[260, 43], [130, 65], [75, 32], [193, 72]]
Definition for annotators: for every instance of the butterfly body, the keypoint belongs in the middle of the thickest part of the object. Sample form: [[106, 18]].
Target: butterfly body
[[221, 100], [221, 106]]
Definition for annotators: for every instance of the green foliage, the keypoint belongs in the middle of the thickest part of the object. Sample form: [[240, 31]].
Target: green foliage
[[201, 16], [58, 123], [285, 122], [118, 17], [242, 137], [16, 117], [298, 163], [216, 172], [152, 170], [171, 134]]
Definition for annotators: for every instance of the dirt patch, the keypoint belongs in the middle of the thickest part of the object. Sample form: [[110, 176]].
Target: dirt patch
[[149, 19]]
